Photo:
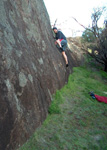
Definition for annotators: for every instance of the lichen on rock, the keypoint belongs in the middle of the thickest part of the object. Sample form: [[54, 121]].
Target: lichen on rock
[[22, 79]]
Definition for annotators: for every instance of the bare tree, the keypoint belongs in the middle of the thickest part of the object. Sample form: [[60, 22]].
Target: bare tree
[[99, 46]]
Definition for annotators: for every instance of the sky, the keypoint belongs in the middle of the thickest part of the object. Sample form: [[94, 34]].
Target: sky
[[64, 10]]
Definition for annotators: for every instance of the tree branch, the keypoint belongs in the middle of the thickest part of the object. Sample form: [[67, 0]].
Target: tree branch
[[83, 25]]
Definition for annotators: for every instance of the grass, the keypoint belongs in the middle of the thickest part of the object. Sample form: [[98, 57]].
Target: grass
[[75, 120]]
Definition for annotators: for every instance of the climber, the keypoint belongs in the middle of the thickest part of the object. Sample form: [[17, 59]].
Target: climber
[[61, 42]]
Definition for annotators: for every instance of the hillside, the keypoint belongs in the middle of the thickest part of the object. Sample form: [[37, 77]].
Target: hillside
[[76, 121]]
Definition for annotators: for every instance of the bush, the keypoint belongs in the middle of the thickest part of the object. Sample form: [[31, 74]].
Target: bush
[[88, 36]]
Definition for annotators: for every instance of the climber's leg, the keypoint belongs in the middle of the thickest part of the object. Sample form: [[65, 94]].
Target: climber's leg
[[65, 57]]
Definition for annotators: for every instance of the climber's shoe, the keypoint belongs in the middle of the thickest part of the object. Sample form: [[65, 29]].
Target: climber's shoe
[[67, 65]]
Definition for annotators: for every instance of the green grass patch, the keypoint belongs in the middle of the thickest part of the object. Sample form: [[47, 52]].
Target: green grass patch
[[55, 104], [75, 120]]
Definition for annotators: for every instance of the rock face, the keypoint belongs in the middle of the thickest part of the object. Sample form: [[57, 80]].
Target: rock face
[[31, 69], [75, 45]]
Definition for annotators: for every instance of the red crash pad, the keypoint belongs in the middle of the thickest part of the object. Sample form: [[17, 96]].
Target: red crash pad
[[101, 98]]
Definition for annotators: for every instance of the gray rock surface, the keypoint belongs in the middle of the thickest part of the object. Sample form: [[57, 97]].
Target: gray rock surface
[[31, 69]]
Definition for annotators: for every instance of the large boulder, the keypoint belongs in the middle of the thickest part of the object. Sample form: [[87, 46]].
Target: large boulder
[[31, 69]]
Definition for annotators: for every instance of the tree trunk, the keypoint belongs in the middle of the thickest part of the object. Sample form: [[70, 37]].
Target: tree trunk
[[105, 68]]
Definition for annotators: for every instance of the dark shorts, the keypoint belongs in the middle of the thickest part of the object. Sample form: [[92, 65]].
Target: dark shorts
[[63, 44]]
